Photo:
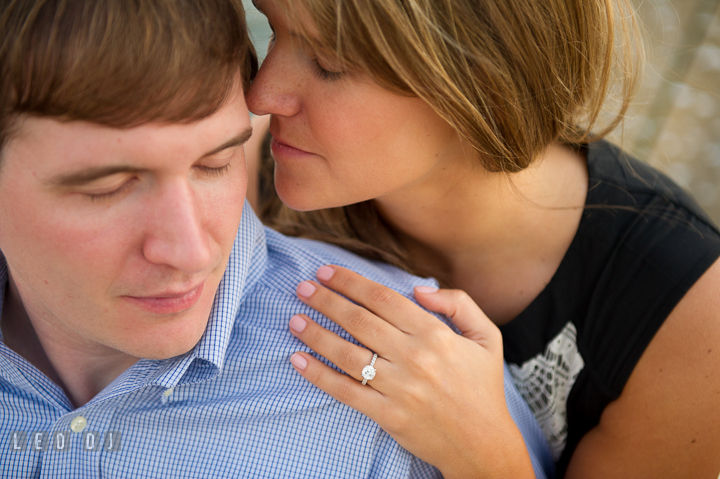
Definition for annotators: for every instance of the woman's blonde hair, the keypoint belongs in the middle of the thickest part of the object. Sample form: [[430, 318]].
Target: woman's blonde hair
[[510, 76]]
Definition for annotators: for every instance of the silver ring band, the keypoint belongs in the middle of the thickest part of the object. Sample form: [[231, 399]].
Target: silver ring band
[[369, 371]]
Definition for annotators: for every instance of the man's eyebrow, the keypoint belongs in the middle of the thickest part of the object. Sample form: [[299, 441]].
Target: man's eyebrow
[[91, 174], [239, 139]]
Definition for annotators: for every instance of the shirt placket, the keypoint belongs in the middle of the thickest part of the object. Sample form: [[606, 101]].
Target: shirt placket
[[78, 440]]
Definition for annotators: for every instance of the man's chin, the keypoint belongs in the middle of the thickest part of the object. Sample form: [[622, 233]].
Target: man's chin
[[170, 335], [168, 340]]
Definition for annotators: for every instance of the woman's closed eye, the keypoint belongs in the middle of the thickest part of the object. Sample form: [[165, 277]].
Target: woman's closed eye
[[324, 73]]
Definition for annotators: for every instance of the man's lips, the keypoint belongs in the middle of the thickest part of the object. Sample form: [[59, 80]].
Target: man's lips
[[170, 302]]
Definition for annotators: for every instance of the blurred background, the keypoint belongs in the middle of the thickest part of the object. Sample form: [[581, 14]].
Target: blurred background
[[675, 121]]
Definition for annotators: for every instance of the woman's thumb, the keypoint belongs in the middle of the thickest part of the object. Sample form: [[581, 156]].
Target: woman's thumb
[[462, 311]]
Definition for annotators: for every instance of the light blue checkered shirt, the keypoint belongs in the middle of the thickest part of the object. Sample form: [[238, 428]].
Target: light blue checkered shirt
[[231, 407]]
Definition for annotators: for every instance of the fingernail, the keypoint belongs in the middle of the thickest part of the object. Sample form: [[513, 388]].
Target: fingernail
[[298, 361], [297, 324], [305, 289], [426, 289], [324, 273]]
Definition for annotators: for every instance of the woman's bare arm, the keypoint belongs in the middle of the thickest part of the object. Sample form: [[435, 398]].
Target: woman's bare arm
[[666, 423]]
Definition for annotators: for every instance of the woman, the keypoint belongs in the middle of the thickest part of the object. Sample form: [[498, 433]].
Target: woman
[[454, 137]]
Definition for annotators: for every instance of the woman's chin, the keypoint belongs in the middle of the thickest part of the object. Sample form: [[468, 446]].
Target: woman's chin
[[301, 198], [311, 197], [298, 200]]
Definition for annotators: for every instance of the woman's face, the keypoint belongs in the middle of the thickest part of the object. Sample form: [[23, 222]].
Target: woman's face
[[339, 138]]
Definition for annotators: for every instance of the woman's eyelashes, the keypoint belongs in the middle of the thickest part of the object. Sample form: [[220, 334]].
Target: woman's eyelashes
[[318, 69], [324, 74]]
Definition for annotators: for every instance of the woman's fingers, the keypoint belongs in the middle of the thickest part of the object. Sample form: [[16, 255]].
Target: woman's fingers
[[464, 313], [425, 372], [387, 304], [343, 388], [362, 324], [349, 357]]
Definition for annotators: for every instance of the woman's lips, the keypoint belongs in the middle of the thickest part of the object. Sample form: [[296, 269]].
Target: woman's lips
[[283, 149], [169, 303]]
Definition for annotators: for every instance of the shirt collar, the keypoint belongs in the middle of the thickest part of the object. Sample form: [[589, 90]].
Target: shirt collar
[[247, 263]]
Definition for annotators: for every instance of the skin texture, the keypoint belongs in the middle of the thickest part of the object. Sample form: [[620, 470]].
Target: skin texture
[[498, 238], [88, 260]]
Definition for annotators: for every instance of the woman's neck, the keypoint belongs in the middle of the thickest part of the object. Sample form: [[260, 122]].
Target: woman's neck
[[499, 237]]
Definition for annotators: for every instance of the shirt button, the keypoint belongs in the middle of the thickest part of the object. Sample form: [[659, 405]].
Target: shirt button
[[78, 424], [168, 392]]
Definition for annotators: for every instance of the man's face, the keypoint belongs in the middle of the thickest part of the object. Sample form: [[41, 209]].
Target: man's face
[[118, 238]]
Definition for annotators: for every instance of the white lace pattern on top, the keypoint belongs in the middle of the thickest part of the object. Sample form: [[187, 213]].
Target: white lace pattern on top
[[545, 382]]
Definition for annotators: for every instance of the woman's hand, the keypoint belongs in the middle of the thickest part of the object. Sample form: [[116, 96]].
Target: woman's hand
[[440, 395]]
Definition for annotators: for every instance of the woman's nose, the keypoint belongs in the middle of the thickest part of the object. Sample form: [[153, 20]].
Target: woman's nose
[[276, 89]]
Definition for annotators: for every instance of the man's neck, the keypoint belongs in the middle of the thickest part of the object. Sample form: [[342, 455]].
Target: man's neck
[[80, 372]]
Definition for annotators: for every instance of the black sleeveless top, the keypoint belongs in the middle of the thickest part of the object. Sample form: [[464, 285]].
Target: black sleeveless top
[[641, 245]]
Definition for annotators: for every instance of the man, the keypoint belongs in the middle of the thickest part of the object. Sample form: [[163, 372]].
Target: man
[[144, 313]]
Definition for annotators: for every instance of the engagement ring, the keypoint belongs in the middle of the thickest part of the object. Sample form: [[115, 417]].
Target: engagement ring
[[368, 371]]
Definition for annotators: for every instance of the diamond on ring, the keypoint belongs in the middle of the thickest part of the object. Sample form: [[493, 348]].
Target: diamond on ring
[[368, 371]]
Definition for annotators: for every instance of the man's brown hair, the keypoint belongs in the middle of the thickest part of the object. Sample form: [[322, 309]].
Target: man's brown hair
[[120, 62]]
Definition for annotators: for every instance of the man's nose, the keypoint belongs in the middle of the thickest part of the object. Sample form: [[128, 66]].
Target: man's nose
[[176, 235], [276, 88]]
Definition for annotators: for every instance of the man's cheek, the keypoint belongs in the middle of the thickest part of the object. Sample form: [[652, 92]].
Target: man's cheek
[[224, 218]]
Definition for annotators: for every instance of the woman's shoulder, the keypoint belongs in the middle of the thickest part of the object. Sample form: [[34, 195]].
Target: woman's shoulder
[[641, 245], [640, 231], [619, 179], [639, 224]]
